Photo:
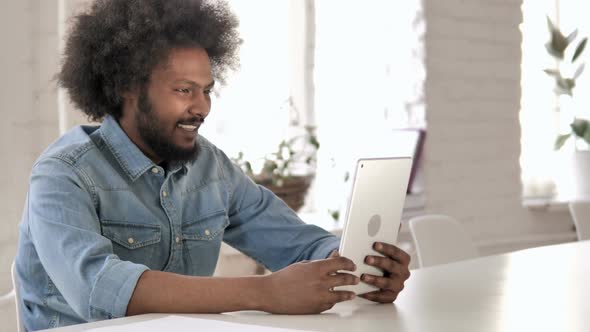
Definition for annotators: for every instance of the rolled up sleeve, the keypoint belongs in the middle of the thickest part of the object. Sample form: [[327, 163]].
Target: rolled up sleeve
[[66, 232], [114, 287]]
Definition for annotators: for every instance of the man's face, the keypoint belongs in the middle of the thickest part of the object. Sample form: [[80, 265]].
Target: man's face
[[171, 108]]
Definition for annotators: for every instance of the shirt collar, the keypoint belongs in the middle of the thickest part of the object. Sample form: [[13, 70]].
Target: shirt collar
[[129, 156]]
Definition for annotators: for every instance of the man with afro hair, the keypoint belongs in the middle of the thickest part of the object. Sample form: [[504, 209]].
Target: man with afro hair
[[128, 217]]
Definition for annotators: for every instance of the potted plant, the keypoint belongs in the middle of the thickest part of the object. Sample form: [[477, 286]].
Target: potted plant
[[567, 71], [289, 171]]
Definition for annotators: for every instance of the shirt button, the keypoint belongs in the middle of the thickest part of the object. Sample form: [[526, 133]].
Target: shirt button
[[177, 239], [130, 240], [207, 232], [155, 170], [165, 193]]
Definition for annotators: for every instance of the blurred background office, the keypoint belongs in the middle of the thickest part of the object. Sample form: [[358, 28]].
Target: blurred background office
[[467, 73]]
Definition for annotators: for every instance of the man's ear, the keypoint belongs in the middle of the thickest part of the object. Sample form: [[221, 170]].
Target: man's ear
[[130, 95], [130, 98]]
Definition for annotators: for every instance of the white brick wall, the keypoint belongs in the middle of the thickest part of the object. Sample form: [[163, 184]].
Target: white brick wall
[[28, 107], [472, 151], [72, 117]]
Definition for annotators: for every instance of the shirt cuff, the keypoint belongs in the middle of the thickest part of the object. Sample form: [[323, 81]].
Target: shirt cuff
[[113, 289], [326, 249]]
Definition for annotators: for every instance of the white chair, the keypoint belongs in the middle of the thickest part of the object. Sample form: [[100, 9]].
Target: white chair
[[440, 239], [14, 295], [580, 211], [7, 297], [17, 299]]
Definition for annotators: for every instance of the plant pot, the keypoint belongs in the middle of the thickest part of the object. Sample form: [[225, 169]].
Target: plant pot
[[293, 190], [581, 175]]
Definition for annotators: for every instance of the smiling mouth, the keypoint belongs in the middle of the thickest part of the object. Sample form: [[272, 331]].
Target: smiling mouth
[[190, 125], [187, 127]]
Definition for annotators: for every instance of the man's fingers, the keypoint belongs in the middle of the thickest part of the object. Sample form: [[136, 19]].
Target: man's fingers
[[388, 265], [340, 296], [385, 264], [342, 279], [380, 296], [334, 264], [383, 282], [392, 252], [326, 306], [379, 282]]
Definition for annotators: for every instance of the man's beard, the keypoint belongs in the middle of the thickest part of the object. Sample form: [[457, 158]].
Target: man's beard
[[151, 132]]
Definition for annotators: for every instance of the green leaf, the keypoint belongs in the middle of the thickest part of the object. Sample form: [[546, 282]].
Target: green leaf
[[579, 49], [560, 141], [558, 42], [314, 141], [552, 72], [335, 214], [551, 49], [565, 86], [586, 136], [269, 166], [572, 36], [557, 45], [579, 127], [550, 24], [579, 71]]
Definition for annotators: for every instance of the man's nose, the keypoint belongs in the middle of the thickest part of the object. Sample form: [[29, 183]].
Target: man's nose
[[201, 104]]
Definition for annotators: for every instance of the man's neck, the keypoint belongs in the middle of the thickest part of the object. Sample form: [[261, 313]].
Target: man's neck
[[133, 133], [164, 165]]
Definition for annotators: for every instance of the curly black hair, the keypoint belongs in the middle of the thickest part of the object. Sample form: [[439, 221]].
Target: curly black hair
[[114, 47]]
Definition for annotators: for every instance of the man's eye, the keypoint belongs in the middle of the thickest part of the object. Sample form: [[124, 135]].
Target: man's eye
[[183, 90], [207, 92]]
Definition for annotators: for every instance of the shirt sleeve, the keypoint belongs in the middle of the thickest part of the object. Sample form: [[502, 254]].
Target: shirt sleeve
[[263, 227], [66, 233]]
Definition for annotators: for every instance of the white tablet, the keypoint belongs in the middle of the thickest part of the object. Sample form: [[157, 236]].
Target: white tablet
[[374, 212]]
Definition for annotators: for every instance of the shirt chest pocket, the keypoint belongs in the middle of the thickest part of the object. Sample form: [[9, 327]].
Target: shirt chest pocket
[[137, 243], [202, 240]]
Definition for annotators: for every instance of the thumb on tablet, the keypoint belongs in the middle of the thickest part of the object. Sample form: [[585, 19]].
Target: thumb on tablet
[[334, 253]]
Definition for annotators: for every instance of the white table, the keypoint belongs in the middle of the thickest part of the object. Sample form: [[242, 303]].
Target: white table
[[541, 289]]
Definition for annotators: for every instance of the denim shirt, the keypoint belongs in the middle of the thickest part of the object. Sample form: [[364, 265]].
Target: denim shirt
[[99, 213]]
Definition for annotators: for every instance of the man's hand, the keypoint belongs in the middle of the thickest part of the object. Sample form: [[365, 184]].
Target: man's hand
[[395, 272], [305, 287]]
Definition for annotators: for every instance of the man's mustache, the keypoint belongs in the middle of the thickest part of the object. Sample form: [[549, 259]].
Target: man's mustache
[[193, 121]]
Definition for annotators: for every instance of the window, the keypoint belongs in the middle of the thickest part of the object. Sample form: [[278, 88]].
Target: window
[[544, 171], [367, 77], [250, 113]]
